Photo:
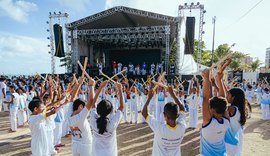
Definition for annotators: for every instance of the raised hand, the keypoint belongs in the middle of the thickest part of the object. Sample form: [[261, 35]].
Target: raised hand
[[92, 82]]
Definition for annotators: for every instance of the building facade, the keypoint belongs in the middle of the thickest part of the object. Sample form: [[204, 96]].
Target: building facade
[[267, 57]]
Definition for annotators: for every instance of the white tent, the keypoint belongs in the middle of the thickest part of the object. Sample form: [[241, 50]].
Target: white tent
[[188, 66]]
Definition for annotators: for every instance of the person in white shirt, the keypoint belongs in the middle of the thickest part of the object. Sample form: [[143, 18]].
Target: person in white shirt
[[3, 88], [78, 123], [152, 70], [119, 67], [265, 103], [169, 135], [237, 114], [193, 104], [13, 105], [104, 122], [214, 125], [22, 118], [37, 125], [249, 93], [133, 104]]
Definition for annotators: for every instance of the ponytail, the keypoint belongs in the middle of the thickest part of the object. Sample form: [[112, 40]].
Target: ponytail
[[102, 124], [103, 109]]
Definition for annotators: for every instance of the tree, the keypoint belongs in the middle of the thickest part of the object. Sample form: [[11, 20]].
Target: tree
[[255, 65], [172, 57], [66, 62]]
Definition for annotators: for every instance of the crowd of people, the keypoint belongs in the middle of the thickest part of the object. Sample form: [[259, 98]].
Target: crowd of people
[[90, 110], [140, 69]]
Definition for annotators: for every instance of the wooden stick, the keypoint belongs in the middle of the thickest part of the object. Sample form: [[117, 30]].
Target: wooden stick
[[82, 68], [159, 80], [162, 85], [110, 79]]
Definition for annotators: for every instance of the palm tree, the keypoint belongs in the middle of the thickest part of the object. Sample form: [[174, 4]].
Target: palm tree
[[255, 65]]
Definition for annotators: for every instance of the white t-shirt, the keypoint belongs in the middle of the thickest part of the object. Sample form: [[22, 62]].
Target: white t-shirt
[[167, 140], [2, 86], [215, 130], [193, 101], [105, 144], [16, 100], [80, 130], [37, 126]]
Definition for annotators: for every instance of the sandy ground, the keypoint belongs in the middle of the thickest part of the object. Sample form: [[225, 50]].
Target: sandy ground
[[137, 140]]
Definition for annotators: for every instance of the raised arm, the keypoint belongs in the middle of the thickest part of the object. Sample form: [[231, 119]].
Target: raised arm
[[91, 93], [190, 86], [206, 96], [102, 85], [145, 108], [120, 95]]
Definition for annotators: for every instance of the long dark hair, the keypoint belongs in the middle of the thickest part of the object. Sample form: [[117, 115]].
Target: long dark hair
[[239, 101], [103, 109]]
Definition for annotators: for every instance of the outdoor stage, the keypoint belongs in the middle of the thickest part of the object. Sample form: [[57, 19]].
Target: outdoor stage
[[122, 34]]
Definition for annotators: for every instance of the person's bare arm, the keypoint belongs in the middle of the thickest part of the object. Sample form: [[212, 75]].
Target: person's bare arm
[[206, 96]]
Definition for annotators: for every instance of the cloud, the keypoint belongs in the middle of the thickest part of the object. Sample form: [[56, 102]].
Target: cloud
[[77, 5], [24, 55], [17, 10]]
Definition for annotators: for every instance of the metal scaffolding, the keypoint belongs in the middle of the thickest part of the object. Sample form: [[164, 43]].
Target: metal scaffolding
[[52, 17]]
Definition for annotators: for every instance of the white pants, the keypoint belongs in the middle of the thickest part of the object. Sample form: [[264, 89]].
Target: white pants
[[126, 108], [193, 118], [22, 118], [5, 106], [160, 110], [80, 149], [50, 140], [58, 132], [13, 118], [152, 108], [200, 102], [258, 98], [133, 108], [265, 111]]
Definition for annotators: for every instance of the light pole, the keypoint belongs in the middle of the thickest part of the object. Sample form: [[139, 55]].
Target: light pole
[[213, 43]]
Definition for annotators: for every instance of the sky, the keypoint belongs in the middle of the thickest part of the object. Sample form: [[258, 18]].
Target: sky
[[23, 36]]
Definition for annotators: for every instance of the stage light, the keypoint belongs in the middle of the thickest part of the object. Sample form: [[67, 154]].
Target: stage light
[[49, 52], [47, 22], [48, 38], [192, 3], [48, 45], [203, 23], [204, 11], [48, 30], [203, 32], [185, 4], [198, 3]]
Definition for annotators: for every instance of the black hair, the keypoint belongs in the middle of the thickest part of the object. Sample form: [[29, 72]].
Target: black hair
[[77, 103], [239, 101], [219, 104], [12, 86], [103, 109], [35, 103], [171, 110]]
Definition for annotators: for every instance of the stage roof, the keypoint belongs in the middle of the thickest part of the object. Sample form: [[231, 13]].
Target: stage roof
[[120, 17]]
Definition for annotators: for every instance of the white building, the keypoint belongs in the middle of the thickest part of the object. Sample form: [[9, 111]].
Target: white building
[[267, 58]]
